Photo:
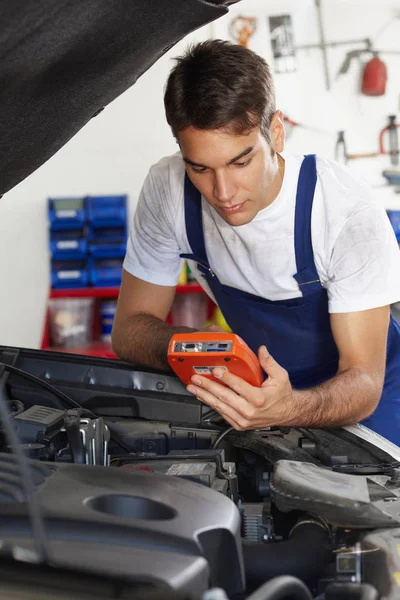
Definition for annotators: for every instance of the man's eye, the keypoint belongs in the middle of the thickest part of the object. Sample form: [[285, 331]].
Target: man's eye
[[199, 169], [243, 164]]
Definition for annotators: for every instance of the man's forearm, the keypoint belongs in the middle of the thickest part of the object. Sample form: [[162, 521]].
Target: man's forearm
[[143, 339], [345, 399]]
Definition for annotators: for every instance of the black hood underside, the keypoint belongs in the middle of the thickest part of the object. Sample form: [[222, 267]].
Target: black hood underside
[[63, 61]]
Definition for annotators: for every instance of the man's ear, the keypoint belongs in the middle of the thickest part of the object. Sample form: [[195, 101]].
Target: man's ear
[[277, 131]]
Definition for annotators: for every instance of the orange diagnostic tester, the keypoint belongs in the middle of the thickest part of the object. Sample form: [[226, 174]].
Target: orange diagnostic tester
[[199, 353]]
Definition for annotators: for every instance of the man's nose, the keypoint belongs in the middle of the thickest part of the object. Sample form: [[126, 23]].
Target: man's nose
[[224, 189]]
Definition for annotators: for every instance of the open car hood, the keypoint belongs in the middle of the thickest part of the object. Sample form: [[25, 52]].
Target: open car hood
[[138, 484], [63, 61]]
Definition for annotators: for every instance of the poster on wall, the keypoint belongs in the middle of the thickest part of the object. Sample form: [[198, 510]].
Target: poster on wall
[[242, 28], [282, 41]]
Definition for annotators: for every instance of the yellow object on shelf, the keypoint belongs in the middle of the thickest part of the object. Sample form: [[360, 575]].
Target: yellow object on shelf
[[183, 279], [218, 319]]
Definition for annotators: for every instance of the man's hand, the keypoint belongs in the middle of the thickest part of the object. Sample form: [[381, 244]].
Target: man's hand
[[347, 398], [213, 327], [243, 405]]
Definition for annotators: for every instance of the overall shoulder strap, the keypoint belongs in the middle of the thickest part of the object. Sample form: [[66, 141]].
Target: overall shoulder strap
[[194, 223], [307, 274]]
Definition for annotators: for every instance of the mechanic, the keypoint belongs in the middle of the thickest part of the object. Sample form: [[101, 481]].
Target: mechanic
[[303, 263]]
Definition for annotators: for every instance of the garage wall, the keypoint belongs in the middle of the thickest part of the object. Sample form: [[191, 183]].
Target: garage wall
[[110, 155], [303, 95], [113, 152]]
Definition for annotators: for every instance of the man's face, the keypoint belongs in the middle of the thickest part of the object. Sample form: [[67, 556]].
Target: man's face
[[236, 174]]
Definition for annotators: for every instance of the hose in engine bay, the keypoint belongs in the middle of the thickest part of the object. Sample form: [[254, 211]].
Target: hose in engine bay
[[281, 588], [303, 555]]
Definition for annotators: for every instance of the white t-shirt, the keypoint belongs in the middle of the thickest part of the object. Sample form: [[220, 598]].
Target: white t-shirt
[[355, 250]]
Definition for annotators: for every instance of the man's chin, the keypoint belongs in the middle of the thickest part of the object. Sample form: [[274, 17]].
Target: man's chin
[[235, 220]]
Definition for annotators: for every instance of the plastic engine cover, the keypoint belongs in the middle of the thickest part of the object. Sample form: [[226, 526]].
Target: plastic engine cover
[[134, 524], [345, 500]]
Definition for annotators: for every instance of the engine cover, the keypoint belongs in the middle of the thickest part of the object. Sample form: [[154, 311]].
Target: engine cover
[[139, 525], [350, 501]]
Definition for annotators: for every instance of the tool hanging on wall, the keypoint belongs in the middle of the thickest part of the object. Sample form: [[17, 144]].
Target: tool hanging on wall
[[290, 125], [341, 154], [390, 131], [340, 148], [374, 73], [363, 155], [390, 134], [374, 77]]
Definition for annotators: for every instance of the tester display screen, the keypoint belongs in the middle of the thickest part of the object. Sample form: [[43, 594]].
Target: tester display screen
[[203, 346]]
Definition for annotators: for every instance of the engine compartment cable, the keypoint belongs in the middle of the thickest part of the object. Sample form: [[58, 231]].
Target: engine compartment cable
[[221, 436], [60, 396], [33, 506]]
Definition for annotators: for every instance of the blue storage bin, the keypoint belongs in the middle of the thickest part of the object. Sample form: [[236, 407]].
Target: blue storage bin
[[105, 272], [66, 213], [107, 211], [68, 244], [107, 314], [107, 242], [394, 218], [69, 274]]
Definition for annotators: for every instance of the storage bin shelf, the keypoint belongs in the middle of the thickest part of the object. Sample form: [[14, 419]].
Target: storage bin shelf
[[98, 348], [87, 243], [112, 292]]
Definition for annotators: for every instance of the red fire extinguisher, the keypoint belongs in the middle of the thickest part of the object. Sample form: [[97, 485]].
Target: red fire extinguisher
[[374, 77]]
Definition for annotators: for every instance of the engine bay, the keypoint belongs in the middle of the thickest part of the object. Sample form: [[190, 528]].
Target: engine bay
[[138, 480]]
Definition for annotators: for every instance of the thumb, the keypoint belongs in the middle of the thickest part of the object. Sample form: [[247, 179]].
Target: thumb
[[268, 363], [214, 327]]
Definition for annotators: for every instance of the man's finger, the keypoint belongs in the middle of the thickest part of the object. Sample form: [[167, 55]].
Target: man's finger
[[269, 364], [248, 392], [245, 406], [235, 383], [213, 328], [225, 410]]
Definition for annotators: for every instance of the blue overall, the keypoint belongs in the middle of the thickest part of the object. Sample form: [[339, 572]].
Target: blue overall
[[296, 332]]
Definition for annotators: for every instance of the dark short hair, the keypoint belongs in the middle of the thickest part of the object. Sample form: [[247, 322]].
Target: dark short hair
[[217, 84]]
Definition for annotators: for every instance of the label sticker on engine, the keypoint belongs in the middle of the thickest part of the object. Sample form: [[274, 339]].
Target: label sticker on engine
[[186, 469], [207, 370]]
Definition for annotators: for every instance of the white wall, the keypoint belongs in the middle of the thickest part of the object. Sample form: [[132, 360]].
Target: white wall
[[113, 152], [303, 95], [110, 155]]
